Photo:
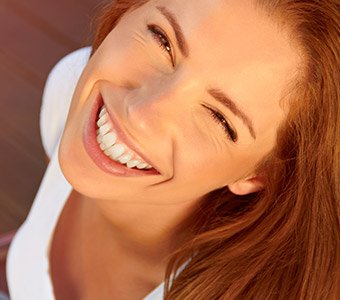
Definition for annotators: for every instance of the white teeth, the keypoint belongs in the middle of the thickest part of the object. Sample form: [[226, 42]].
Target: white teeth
[[105, 129], [102, 146], [107, 152], [142, 166], [109, 139], [103, 120], [106, 139], [102, 112], [99, 139], [116, 151], [133, 163], [125, 158]]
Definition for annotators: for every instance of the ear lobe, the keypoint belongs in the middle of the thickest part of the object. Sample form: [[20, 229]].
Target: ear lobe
[[247, 185]]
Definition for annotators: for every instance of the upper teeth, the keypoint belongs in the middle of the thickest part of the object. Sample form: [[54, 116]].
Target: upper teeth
[[107, 140]]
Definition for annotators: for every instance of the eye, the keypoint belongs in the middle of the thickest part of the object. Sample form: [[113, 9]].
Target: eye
[[163, 41], [219, 118]]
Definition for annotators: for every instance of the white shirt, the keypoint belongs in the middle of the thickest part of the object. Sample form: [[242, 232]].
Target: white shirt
[[27, 266]]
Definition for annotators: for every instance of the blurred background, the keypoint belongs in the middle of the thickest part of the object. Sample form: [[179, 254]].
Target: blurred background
[[34, 35]]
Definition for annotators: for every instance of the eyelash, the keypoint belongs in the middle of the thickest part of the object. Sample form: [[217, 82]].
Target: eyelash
[[163, 41], [218, 117]]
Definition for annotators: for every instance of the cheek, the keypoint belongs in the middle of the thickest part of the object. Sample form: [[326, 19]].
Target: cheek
[[123, 60], [211, 165], [198, 161]]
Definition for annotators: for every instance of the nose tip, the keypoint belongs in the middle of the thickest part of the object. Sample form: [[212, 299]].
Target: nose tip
[[150, 114], [150, 126]]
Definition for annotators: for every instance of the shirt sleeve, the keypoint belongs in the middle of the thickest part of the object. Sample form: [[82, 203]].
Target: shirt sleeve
[[58, 91]]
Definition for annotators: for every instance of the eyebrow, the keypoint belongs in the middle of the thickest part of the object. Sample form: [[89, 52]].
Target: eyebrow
[[231, 105], [181, 41]]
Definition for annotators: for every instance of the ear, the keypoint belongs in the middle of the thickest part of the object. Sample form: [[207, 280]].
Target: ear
[[247, 185]]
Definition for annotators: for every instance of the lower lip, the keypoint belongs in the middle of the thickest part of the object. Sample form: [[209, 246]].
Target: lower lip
[[96, 154]]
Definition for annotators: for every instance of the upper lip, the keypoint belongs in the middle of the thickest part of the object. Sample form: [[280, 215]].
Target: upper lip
[[124, 137]]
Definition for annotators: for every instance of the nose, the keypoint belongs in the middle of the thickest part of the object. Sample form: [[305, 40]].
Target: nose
[[160, 108]]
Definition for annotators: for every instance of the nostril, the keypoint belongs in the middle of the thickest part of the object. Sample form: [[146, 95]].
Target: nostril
[[131, 85]]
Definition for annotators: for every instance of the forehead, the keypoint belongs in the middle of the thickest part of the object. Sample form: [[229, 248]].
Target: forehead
[[223, 34], [236, 47], [235, 29]]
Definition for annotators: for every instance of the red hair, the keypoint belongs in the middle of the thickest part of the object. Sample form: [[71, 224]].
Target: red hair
[[283, 242]]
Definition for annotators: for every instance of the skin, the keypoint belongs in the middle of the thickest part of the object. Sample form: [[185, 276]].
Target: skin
[[233, 47]]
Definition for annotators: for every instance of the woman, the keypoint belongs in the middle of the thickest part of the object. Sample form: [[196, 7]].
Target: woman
[[201, 145]]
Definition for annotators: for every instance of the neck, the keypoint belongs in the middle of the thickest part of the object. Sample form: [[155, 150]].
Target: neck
[[143, 232]]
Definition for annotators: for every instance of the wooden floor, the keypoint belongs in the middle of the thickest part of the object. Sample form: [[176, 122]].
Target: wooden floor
[[34, 35]]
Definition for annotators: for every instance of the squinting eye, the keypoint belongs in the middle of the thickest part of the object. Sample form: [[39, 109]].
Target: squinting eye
[[163, 41], [218, 117]]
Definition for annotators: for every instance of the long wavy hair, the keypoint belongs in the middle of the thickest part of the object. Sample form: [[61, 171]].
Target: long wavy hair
[[282, 242]]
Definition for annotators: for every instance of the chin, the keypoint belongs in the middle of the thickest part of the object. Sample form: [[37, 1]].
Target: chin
[[82, 175]]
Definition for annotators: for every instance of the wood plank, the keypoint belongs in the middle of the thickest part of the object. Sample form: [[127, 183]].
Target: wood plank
[[20, 145], [27, 45], [67, 21], [19, 107]]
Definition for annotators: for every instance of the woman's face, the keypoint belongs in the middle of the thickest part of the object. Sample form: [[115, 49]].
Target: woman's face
[[168, 74]]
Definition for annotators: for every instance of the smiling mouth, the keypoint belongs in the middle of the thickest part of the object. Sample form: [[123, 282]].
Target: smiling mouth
[[113, 147], [109, 147]]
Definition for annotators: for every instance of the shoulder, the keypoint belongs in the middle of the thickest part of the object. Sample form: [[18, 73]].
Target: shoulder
[[57, 95]]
